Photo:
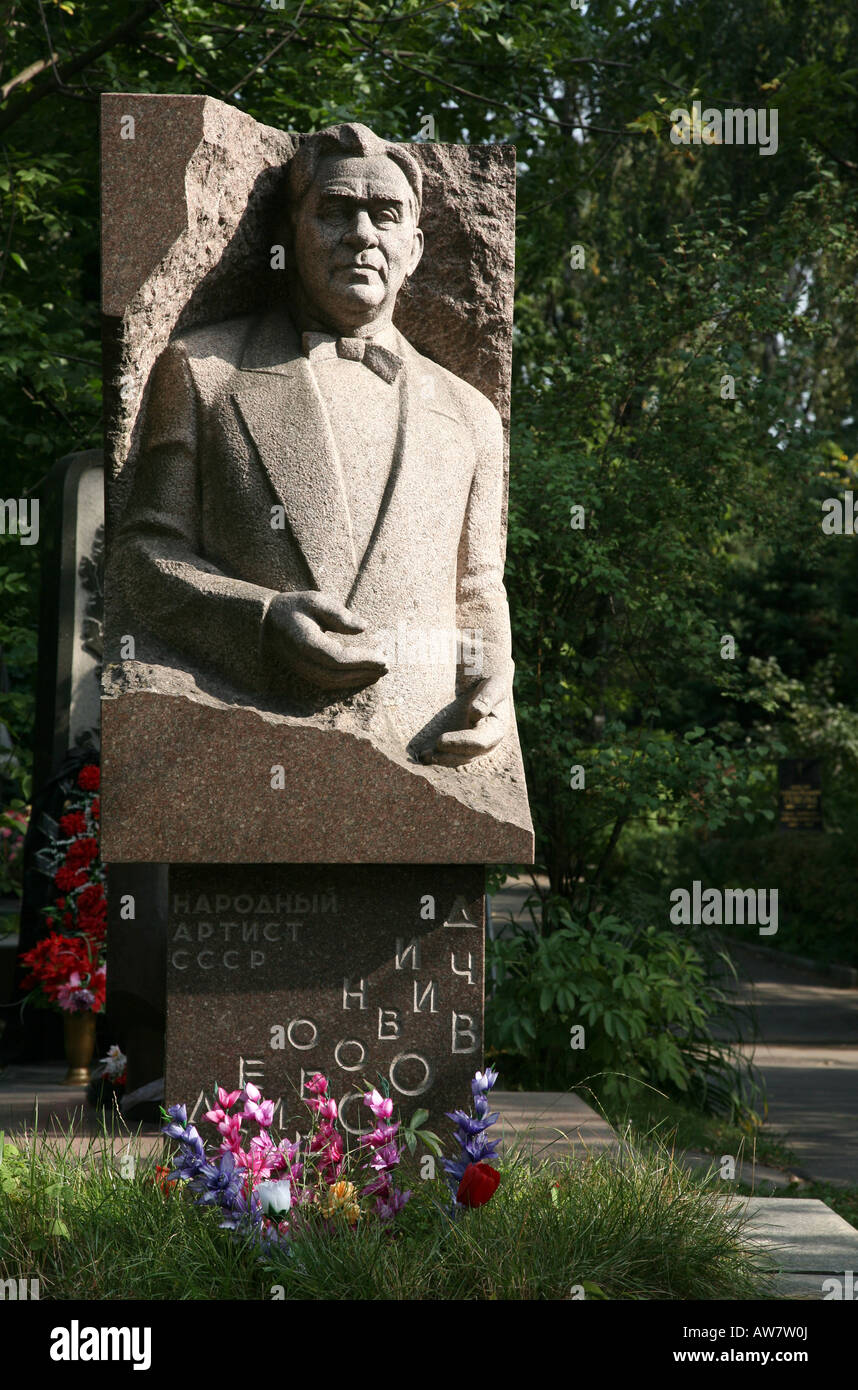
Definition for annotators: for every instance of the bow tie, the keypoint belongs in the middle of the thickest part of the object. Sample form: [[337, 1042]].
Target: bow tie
[[380, 360]]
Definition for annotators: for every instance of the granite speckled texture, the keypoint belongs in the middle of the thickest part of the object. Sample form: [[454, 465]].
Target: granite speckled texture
[[195, 721], [276, 972], [341, 800]]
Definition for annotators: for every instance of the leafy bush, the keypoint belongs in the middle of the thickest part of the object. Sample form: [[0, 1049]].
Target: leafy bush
[[645, 997]]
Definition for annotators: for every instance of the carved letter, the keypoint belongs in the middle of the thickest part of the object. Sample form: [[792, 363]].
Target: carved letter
[[419, 1002], [463, 1027], [350, 1042], [403, 952], [302, 1023], [359, 993], [468, 970], [392, 1022], [407, 1057]]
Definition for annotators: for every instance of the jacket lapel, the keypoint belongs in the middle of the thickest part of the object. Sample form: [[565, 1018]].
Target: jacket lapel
[[405, 461], [279, 402]]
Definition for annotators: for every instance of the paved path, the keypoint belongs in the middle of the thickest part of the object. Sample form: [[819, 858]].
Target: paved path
[[813, 1248], [807, 1053]]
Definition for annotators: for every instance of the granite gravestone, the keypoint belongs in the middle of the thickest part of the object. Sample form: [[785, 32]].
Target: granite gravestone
[[308, 653], [70, 611], [71, 539]]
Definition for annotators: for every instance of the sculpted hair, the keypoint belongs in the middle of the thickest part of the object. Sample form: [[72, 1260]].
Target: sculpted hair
[[347, 140]]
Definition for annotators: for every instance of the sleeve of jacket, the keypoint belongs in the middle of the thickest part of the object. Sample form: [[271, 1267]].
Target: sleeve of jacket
[[181, 597], [481, 601]]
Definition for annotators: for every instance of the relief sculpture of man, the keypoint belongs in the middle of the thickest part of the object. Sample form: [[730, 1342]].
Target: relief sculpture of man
[[309, 484]]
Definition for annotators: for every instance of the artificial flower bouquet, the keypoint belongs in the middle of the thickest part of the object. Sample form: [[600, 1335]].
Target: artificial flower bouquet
[[67, 968], [108, 1079], [271, 1189]]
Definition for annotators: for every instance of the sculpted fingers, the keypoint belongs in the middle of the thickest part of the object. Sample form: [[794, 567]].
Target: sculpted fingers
[[330, 613], [319, 649], [461, 745], [488, 697]]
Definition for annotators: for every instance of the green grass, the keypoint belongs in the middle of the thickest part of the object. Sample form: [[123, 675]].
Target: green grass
[[638, 1227], [676, 1126], [680, 1126]]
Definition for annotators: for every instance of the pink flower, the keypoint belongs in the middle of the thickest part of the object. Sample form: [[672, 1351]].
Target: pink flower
[[261, 1158], [255, 1108], [381, 1135], [318, 1084], [230, 1128], [227, 1098], [382, 1109], [323, 1136], [385, 1159]]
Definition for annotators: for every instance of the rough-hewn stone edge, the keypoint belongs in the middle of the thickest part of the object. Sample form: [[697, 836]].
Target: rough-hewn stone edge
[[184, 810]]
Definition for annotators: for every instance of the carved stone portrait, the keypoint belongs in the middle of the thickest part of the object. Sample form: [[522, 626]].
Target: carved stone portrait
[[313, 528]]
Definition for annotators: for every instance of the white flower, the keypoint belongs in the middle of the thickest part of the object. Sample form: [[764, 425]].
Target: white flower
[[275, 1198], [115, 1062]]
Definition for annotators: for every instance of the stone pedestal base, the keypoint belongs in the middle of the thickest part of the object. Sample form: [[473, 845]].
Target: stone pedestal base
[[366, 973]]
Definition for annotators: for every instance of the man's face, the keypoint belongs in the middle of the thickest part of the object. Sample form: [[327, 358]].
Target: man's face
[[355, 241]]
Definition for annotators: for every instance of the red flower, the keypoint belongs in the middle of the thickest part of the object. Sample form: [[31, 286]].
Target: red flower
[[479, 1183], [73, 823], [98, 985], [68, 879], [95, 808], [81, 852], [89, 777], [92, 899], [54, 959], [161, 1176]]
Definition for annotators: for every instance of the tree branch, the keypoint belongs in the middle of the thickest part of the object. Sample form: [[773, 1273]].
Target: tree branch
[[44, 84], [485, 101], [26, 75]]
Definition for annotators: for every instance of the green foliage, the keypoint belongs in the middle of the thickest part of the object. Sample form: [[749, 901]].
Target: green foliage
[[814, 875], [645, 998]]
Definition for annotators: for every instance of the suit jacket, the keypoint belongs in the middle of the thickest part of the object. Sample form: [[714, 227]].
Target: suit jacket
[[235, 424]]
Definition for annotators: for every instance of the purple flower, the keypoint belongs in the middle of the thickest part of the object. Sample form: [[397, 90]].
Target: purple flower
[[470, 1130], [385, 1158], [388, 1207], [483, 1081], [219, 1182], [379, 1184], [470, 1125], [193, 1157], [381, 1135]]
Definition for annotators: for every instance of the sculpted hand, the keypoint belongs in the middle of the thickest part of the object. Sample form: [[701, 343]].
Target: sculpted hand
[[487, 723], [298, 631]]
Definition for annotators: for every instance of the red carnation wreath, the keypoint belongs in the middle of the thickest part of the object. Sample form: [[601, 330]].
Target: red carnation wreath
[[67, 971]]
